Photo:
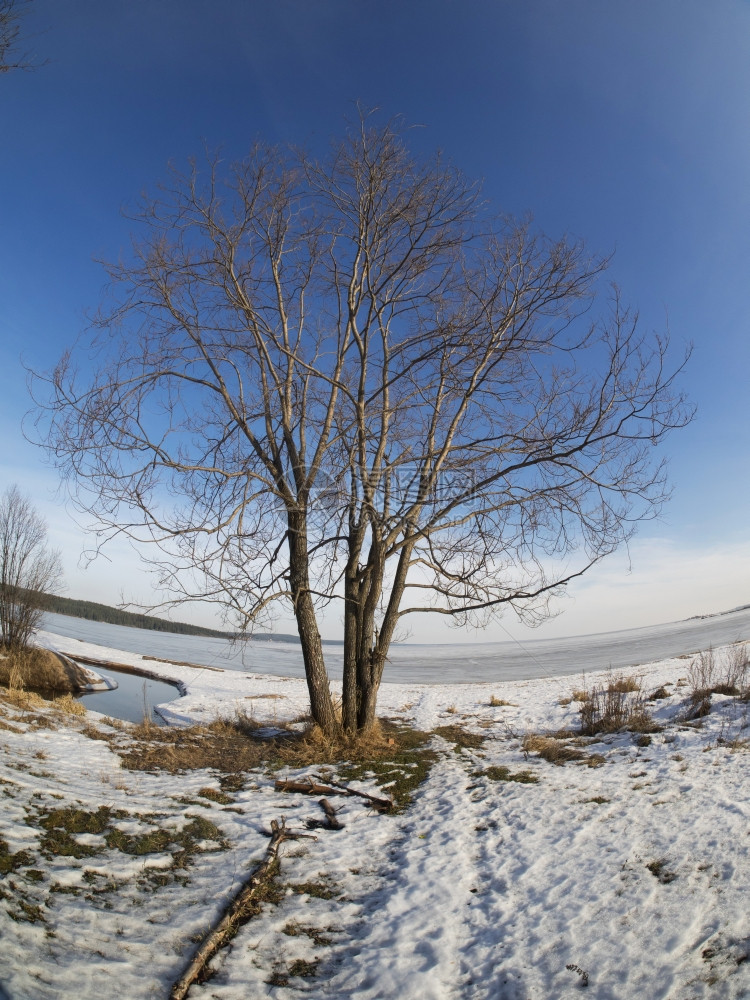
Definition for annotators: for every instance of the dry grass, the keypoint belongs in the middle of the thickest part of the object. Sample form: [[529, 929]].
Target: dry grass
[[40, 670], [624, 685], [68, 705], [220, 746], [617, 704], [496, 702], [659, 694], [31, 702], [557, 750], [705, 679], [462, 739], [26, 700], [393, 756], [234, 746]]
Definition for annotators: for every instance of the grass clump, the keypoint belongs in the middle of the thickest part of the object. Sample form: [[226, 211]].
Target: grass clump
[[75, 820], [393, 756], [321, 888], [158, 840], [659, 870], [556, 749], [220, 746], [496, 702], [10, 862], [34, 668], [62, 825], [659, 694], [304, 968], [500, 773], [461, 738], [397, 767], [706, 678], [617, 704], [319, 937], [213, 795], [151, 842], [30, 913]]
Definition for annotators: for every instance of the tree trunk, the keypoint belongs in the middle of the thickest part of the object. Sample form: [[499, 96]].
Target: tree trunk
[[321, 703], [351, 633], [368, 700], [371, 668]]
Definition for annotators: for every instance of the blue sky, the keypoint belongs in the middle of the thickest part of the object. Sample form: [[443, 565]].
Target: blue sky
[[624, 123]]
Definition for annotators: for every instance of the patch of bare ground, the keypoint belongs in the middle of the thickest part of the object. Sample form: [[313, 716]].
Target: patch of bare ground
[[392, 754]]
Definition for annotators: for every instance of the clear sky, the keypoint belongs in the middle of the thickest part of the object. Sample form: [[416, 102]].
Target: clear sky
[[625, 122]]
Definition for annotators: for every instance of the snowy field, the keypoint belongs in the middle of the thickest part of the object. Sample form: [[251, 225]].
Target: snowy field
[[621, 874]]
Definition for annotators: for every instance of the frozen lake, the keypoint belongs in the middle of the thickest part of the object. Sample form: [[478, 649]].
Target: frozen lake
[[447, 663]]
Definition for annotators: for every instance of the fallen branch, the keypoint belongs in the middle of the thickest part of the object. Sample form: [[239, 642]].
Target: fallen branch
[[381, 805], [236, 912], [309, 786], [306, 787], [332, 820]]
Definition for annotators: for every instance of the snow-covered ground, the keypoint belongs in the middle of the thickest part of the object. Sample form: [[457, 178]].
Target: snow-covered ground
[[626, 879]]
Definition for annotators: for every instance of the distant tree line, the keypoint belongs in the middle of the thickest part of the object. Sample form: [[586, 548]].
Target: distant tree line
[[115, 616]]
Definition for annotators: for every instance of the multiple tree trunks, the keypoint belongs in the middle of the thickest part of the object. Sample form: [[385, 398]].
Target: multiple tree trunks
[[359, 378]]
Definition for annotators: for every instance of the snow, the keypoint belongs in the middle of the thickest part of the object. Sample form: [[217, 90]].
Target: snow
[[482, 889]]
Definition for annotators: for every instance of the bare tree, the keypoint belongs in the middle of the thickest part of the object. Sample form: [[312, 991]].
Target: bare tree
[[28, 569], [343, 382], [10, 28]]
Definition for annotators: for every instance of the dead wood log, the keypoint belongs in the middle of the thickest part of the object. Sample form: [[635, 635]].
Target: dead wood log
[[333, 822], [309, 786], [236, 911], [306, 787], [381, 805]]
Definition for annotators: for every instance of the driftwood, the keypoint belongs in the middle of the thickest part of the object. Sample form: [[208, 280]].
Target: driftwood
[[235, 912]]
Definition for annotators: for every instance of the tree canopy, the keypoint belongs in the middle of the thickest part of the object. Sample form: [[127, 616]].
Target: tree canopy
[[28, 569], [343, 385]]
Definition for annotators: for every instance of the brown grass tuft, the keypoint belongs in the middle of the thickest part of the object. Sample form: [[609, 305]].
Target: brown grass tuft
[[68, 705], [617, 704], [220, 746], [496, 702], [706, 679], [555, 751], [41, 670]]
